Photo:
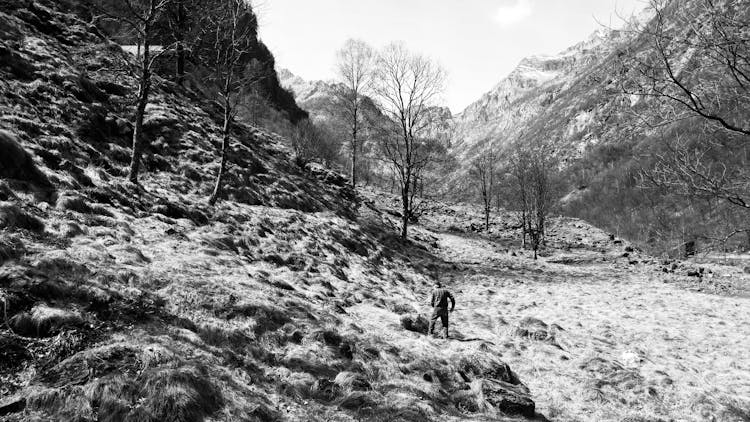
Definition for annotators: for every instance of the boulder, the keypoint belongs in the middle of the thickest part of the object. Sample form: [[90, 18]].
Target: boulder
[[415, 323], [17, 164], [504, 397], [538, 330]]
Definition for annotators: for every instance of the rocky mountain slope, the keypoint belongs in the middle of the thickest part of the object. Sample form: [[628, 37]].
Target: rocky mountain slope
[[293, 300], [537, 84], [141, 302]]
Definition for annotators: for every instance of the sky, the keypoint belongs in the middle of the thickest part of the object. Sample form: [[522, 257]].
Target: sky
[[478, 42]]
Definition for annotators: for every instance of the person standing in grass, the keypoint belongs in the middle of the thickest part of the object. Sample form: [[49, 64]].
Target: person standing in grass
[[439, 303]]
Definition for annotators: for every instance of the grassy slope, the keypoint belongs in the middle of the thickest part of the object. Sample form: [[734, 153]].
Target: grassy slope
[[143, 303]]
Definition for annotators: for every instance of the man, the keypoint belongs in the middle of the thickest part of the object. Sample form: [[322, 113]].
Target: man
[[439, 303]]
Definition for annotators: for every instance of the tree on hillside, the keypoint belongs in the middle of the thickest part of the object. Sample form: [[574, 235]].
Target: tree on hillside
[[531, 167], [483, 170], [695, 55], [226, 43], [354, 63], [694, 59], [141, 16], [406, 85]]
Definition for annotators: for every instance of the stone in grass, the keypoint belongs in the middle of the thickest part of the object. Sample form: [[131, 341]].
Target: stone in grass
[[13, 217], [44, 321], [17, 164], [415, 323], [504, 397], [538, 330], [352, 381], [357, 401]]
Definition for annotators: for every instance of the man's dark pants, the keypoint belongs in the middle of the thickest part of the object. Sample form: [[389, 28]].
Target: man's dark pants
[[442, 314]]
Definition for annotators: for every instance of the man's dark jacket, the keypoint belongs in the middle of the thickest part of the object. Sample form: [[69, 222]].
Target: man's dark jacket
[[440, 298]]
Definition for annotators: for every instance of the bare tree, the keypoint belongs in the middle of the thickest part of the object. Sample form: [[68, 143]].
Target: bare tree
[[354, 67], [483, 170], [229, 39], [695, 57], [532, 167], [693, 62], [406, 85], [141, 16]]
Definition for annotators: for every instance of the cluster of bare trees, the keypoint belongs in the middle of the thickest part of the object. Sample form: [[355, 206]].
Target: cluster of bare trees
[[691, 65], [531, 168], [484, 170], [405, 85], [219, 37]]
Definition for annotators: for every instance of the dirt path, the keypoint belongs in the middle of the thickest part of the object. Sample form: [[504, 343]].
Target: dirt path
[[632, 344]]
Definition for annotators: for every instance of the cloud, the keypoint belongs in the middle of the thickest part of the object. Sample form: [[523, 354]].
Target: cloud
[[513, 11]]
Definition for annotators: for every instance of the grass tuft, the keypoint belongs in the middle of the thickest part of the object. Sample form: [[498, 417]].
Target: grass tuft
[[13, 217], [44, 321]]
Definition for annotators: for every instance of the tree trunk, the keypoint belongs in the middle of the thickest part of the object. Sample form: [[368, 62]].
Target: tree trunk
[[355, 129], [406, 207], [180, 64], [180, 47], [224, 147], [143, 94], [487, 207], [354, 160]]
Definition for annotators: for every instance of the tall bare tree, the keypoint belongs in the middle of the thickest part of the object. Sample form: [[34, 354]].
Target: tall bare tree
[[142, 17], [230, 36], [531, 166], [407, 85], [692, 66], [354, 65], [695, 56], [483, 170]]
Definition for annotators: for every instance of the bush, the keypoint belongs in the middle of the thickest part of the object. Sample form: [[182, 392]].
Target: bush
[[313, 143]]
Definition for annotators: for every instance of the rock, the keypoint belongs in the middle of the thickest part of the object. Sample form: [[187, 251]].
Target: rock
[[536, 329], [325, 389], [352, 381], [747, 270], [415, 323], [12, 405], [44, 321], [504, 397], [357, 401], [17, 164], [11, 216]]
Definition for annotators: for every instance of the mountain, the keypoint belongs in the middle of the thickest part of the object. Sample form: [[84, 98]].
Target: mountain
[[538, 85]]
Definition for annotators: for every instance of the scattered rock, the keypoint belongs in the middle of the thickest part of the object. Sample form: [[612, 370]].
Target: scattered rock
[[538, 330], [325, 389], [357, 400], [12, 405], [44, 321], [352, 381], [11, 247], [504, 397], [17, 164], [415, 323], [13, 217]]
